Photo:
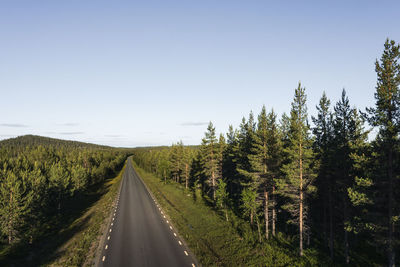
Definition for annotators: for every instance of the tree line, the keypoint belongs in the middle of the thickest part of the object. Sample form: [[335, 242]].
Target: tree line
[[331, 183], [40, 176]]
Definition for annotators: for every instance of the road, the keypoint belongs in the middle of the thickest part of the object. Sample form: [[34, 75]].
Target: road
[[139, 233]]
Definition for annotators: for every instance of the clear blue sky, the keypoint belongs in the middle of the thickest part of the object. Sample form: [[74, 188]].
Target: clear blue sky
[[127, 73]]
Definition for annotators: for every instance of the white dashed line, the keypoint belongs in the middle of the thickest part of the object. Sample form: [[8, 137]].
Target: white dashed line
[[186, 253], [193, 265], [164, 216], [162, 213], [167, 221], [112, 224], [104, 257], [113, 218], [180, 243], [174, 234], [170, 227], [110, 230], [106, 247], [108, 238]]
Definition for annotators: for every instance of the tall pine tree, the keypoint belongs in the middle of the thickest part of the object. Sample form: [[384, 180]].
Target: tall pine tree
[[296, 185], [386, 116]]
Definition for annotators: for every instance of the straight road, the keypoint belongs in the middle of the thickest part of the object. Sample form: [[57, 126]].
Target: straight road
[[139, 234]]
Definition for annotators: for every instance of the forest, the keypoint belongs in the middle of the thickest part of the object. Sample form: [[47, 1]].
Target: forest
[[42, 179], [325, 180]]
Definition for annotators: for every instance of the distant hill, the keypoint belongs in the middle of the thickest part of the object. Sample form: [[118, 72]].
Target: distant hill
[[35, 140]]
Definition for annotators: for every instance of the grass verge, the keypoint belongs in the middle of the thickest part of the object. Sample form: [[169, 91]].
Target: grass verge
[[216, 242]]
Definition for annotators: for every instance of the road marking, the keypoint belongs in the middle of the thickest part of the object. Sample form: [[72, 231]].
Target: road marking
[[174, 234], [167, 221], [186, 253], [162, 212], [106, 247], [104, 257], [180, 243], [108, 238], [164, 216], [112, 224], [170, 227], [113, 218], [193, 265], [110, 230]]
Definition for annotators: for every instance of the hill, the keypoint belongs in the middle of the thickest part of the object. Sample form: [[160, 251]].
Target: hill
[[35, 140]]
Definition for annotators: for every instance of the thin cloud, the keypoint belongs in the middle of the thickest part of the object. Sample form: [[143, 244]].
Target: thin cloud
[[193, 123], [70, 124], [13, 125], [71, 133], [7, 135], [113, 135]]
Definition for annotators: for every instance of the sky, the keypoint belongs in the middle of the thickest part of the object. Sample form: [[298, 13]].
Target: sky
[[130, 73]]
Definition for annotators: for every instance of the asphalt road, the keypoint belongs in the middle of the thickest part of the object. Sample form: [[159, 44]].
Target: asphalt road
[[138, 234]]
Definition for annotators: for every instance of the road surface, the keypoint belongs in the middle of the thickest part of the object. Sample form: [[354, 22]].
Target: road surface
[[139, 233]]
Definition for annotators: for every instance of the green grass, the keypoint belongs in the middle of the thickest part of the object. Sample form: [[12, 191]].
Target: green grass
[[216, 242], [76, 240]]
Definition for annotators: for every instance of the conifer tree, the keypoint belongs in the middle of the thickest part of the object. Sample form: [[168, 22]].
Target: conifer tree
[[386, 116], [222, 198], [176, 159], [360, 193], [345, 125], [299, 172], [14, 205], [323, 132], [209, 151], [229, 164], [273, 161], [250, 166]]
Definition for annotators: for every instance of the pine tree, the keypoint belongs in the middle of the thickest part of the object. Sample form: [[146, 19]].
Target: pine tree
[[187, 162], [299, 172], [360, 192], [323, 132], [15, 202], [176, 159], [229, 165], [209, 151], [259, 163], [274, 161], [386, 116], [343, 136], [222, 198], [250, 165]]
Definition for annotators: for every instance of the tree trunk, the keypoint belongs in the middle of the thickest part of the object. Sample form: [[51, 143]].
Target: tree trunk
[[186, 176], [10, 220], [266, 214], [251, 217], [259, 230], [391, 253], [213, 183], [331, 241], [301, 206], [273, 210], [346, 234], [226, 215], [325, 218]]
